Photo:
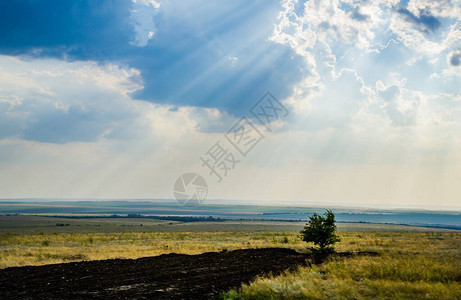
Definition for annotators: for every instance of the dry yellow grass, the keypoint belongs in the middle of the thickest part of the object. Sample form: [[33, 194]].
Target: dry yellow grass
[[410, 266], [43, 248]]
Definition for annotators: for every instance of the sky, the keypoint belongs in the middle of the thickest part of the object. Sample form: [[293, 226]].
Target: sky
[[339, 102]]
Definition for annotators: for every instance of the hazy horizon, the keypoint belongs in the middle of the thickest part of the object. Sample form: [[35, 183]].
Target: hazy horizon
[[249, 202]]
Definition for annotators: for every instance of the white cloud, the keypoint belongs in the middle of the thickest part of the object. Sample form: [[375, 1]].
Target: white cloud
[[333, 38], [142, 16], [400, 105], [233, 60], [72, 129], [54, 101], [152, 3], [326, 22], [358, 88]]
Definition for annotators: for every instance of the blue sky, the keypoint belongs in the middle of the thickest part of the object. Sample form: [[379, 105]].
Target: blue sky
[[118, 98]]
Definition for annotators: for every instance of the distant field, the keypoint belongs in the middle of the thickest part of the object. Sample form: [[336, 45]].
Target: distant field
[[36, 224], [436, 219]]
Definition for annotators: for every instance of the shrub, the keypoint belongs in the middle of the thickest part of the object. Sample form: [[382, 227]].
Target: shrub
[[321, 231]]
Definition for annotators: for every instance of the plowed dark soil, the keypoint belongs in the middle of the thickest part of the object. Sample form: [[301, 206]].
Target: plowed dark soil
[[170, 276]]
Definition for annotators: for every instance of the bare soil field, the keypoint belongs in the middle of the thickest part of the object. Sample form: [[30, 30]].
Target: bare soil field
[[168, 276]]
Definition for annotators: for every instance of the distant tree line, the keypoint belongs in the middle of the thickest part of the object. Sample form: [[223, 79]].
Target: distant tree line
[[140, 216], [178, 218]]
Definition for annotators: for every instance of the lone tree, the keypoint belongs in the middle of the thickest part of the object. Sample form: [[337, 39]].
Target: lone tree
[[321, 231]]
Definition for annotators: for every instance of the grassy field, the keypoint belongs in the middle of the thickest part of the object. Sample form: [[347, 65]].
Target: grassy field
[[411, 265], [414, 263]]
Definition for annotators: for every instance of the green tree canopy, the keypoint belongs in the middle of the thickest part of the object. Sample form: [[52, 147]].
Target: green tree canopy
[[321, 231]]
